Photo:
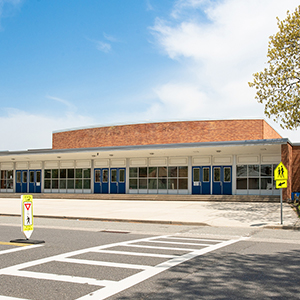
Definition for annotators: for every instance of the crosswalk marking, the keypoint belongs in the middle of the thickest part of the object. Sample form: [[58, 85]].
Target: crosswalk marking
[[135, 253], [65, 278], [104, 263], [110, 287], [193, 239], [178, 243], [10, 298], [161, 248]]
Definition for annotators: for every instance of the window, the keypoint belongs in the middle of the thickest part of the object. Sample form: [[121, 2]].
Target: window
[[217, 174], [206, 175], [227, 174], [255, 177], [97, 175], [196, 175], [113, 175], [154, 178], [7, 179], [105, 176], [68, 179]]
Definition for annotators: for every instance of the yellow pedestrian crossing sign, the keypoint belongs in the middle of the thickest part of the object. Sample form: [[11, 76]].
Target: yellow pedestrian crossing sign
[[27, 215], [281, 172]]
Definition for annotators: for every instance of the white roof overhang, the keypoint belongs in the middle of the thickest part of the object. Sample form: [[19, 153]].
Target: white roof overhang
[[270, 146]]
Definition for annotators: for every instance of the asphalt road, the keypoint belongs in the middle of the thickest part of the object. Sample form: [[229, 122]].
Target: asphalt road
[[106, 260]]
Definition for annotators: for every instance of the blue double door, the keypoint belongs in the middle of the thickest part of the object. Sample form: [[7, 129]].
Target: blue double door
[[28, 181], [222, 180], [216, 180], [201, 180], [109, 181]]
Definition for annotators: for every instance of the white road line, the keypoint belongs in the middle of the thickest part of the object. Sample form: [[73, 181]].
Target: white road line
[[135, 253], [19, 249], [179, 243], [15, 269], [104, 263], [139, 277], [64, 278], [110, 288], [193, 239], [161, 248], [10, 298]]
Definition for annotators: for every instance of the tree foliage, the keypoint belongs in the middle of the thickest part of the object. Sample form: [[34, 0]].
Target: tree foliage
[[278, 85]]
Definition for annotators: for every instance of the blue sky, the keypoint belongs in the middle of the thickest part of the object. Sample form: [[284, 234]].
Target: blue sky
[[68, 64]]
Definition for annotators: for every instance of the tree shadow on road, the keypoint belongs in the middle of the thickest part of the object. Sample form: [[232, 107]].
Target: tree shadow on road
[[226, 275]]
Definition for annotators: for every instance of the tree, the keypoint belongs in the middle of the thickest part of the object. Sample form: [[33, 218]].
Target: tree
[[278, 85]]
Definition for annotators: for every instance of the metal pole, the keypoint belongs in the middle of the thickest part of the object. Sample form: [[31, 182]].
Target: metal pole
[[281, 219]]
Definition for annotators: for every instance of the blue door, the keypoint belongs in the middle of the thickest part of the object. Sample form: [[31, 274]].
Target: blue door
[[101, 181], [201, 180], [222, 180], [21, 181], [227, 180], [117, 181], [34, 181]]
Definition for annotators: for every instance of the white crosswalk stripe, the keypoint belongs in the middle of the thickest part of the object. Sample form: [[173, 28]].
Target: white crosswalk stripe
[[110, 287]]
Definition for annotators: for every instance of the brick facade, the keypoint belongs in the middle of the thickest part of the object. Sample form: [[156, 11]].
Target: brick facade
[[296, 169], [164, 133], [287, 158], [290, 157]]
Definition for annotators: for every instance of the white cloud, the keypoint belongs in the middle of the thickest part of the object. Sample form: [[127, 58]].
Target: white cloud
[[102, 46], [68, 104], [149, 6], [23, 130], [172, 95], [109, 37], [220, 44]]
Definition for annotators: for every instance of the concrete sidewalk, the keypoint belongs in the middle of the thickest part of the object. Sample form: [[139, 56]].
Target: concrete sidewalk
[[229, 214]]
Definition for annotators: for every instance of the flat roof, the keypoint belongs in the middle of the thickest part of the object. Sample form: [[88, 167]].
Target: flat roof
[[149, 147]]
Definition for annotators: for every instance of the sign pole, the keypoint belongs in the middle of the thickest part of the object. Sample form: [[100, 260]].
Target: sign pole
[[281, 178], [281, 215]]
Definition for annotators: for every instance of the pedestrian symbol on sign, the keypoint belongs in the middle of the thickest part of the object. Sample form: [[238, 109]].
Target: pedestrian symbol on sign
[[27, 215], [281, 172]]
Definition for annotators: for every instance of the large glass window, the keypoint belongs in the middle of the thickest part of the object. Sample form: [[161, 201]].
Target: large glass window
[[68, 179], [154, 178], [7, 179], [255, 177]]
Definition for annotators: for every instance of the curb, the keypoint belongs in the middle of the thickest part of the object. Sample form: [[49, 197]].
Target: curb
[[180, 223], [284, 227], [116, 220]]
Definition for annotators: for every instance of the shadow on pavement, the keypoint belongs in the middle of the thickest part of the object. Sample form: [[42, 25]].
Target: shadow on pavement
[[229, 276]]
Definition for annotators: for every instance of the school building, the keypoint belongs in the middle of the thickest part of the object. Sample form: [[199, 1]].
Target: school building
[[223, 157]]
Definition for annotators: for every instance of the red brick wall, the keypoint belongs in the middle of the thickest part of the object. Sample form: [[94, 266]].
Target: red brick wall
[[290, 157], [269, 132], [287, 160], [164, 133], [296, 169]]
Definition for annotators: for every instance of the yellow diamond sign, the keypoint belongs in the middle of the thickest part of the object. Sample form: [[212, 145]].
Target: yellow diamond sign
[[281, 172]]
